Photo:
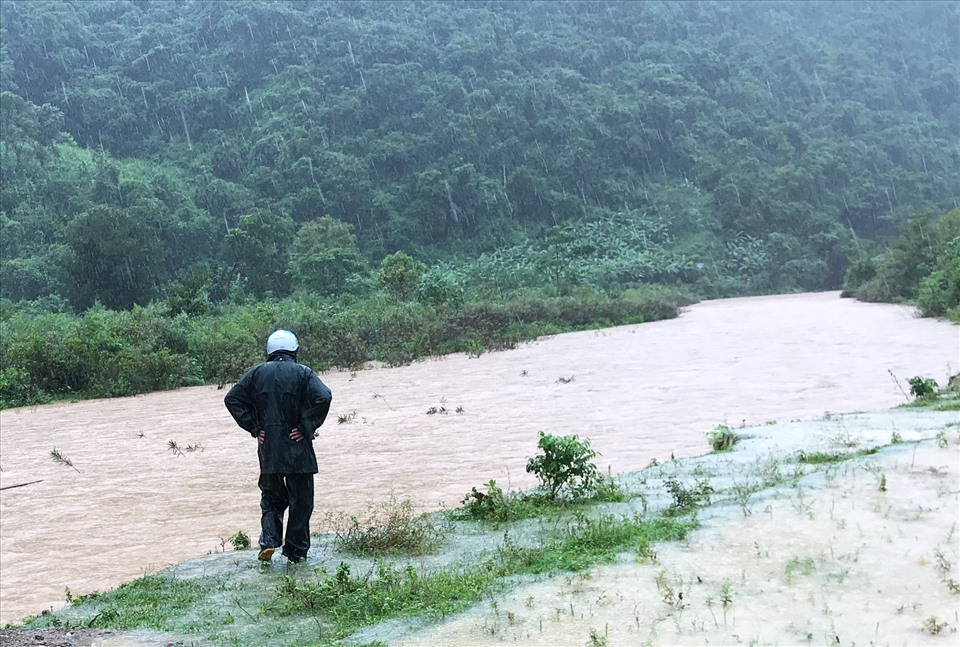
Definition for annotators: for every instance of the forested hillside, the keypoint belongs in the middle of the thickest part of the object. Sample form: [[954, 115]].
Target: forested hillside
[[396, 179], [744, 146]]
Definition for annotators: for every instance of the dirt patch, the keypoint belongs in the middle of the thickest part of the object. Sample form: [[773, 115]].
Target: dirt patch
[[56, 637]]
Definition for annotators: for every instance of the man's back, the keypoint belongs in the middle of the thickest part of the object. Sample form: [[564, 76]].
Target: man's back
[[277, 397]]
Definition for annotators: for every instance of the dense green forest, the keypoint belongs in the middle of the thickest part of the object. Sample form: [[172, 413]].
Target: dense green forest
[[205, 159]]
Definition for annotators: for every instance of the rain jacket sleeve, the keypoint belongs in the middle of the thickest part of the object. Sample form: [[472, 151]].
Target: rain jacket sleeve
[[240, 402], [317, 401]]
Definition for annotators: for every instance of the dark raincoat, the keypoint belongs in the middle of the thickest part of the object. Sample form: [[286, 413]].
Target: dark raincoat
[[279, 396]]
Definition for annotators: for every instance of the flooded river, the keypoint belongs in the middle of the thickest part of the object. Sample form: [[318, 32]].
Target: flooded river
[[133, 506]]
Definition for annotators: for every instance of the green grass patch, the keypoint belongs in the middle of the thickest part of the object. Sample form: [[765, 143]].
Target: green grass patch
[[824, 458], [344, 602], [154, 602], [496, 506]]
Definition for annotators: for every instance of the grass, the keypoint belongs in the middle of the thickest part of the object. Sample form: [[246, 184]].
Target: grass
[[822, 458], [388, 528], [346, 602], [333, 606], [497, 506], [151, 602]]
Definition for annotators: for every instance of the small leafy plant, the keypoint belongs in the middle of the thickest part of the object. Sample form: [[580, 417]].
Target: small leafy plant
[[922, 387], [686, 499], [722, 438], [565, 464], [240, 540], [492, 504]]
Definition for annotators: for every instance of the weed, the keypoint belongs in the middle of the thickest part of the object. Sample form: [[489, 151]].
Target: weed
[[60, 459], [435, 410], [932, 625], [742, 494], [647, 554], [460, 409], [667, 594], [686, 499], [896, 438], [769, 472], [174, 447], [524, 373], [943, 568], [882, 482], [240, 540], [345, 418], [565, 380], [726, 597], [942, 439], [722, 438], [597, 639], [796, 565], [390, 527]]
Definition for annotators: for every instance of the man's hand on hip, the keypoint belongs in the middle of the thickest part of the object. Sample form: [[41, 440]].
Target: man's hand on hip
[[296, 436], [262, 436]]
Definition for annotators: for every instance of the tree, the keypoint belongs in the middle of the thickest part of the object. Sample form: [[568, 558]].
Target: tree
[[113, 259], [324, 256], [400, 274], [558, 259], [259, 248]]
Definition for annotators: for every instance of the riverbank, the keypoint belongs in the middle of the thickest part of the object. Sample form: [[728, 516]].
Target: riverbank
[[843, 527]]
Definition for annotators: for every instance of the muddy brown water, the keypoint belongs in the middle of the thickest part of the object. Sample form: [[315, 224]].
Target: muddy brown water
[[132, 506]]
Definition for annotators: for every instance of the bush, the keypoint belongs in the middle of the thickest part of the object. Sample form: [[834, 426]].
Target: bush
[[492, 505], [439, 286], [922, 387], [722, 438], [400, 274], [388, 528], [940, 291], [566, 463], [240, 540]]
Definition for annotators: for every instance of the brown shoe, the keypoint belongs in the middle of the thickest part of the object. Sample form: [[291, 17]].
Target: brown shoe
[[266, 554]]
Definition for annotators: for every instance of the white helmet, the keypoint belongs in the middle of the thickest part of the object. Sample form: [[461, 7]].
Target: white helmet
[[282, 340]]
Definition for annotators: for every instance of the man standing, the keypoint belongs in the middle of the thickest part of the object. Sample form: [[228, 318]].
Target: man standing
[[282, 403]]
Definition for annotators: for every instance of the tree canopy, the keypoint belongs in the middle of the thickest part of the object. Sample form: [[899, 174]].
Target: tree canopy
[[741, 146]]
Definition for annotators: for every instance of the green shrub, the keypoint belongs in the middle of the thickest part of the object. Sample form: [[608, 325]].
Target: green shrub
[[492, 505], [240, 540], [565, 464], [722, 438], [922, 387], [687, 498], [400, 274]]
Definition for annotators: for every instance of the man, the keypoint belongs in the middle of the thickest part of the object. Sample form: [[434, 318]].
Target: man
[[282, 403]]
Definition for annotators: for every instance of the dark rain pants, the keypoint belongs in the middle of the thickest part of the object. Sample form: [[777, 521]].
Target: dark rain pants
[[277, 493]]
